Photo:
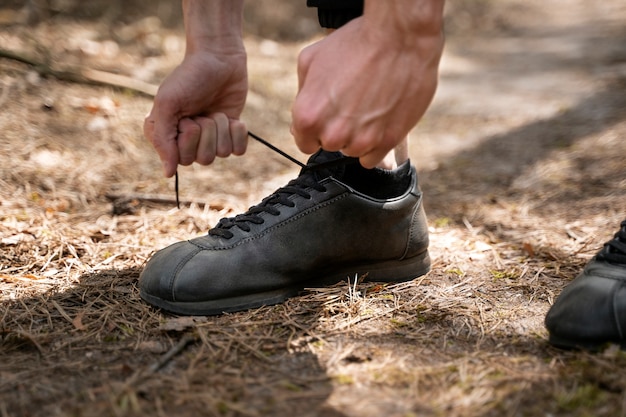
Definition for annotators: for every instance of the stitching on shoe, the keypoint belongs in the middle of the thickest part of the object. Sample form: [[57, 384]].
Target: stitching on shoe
[[411, 234], [346, 193], [299, 216], [284, 222], [303, 186]]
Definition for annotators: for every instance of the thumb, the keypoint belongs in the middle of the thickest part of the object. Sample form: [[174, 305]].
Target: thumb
[[161, 131]]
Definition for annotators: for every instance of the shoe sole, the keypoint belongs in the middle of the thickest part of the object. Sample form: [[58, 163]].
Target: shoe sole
[[589, 345], [389, 271]]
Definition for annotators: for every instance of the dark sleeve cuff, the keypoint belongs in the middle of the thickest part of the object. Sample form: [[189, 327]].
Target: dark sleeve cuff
[[334, 14]]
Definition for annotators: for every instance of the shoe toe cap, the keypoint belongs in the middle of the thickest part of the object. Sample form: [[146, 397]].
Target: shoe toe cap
[[158, 279], [591, 310]]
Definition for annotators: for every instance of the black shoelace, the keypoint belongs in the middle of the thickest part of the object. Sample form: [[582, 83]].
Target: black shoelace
[[614, 250], [306, 180], [264, 142]]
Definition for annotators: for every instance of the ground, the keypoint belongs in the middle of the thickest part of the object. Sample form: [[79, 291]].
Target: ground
[[520, 157]]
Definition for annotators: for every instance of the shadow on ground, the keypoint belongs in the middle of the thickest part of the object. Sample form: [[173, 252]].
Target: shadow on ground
[[96, 349]]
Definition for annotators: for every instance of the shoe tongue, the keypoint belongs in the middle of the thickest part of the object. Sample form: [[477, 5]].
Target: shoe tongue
[[322, 165]]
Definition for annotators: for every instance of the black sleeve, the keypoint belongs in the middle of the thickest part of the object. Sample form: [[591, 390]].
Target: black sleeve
[[336, 4], [335, 13]]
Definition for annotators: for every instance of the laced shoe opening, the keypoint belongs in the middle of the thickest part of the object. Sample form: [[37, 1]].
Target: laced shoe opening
[[376, 183], [614, 251], [307, 180]]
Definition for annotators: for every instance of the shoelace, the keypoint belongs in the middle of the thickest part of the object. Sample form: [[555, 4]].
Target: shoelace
[[614, 250], [258, 138], [297, 186]]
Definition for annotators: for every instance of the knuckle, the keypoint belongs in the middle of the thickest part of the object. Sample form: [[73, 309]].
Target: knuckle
[[240, 147], [305, 56], [186, 160], [224, 148], [205, 122], [332, 143], [304, 122], [205, 159], [337, 137]]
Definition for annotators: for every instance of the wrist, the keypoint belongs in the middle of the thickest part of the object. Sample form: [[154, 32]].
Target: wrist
[[404, 22], [213, 25]]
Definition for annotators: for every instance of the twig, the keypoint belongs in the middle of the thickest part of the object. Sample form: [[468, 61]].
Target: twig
[[169, 355], [243, 344], [84, 75], [160, 363], [157, 199], [16, 57], [62, 312], [31, 339]]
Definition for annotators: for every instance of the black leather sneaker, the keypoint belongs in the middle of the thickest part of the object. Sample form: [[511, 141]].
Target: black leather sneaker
[[335, 220], [591, 310]]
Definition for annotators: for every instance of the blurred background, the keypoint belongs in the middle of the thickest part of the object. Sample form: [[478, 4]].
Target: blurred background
[[518, 77]]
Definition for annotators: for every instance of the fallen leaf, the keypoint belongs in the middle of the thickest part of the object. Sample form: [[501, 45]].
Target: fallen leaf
[[528, 248], [31, 276], [78, 321]]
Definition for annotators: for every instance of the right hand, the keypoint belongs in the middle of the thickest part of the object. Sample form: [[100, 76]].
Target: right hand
[[195, 114]]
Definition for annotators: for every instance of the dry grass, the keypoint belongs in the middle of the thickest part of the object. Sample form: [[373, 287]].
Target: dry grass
[[518, 202]]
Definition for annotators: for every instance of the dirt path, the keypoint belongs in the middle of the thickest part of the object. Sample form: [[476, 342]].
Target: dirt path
[[521, 158]]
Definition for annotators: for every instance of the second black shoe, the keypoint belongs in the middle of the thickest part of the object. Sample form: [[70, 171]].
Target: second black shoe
[[336, 220], [591, 310]]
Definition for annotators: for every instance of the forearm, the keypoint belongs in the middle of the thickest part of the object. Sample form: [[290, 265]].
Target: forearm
[[214, 25], [404, 21]]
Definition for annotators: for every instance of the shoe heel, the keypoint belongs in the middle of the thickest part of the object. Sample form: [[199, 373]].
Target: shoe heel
[[398, 271]]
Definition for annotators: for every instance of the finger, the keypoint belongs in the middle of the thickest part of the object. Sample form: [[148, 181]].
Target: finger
[[188, 138], [239, 135], [373, 158], [338, 136], [368, 147], [206, 151], [304, 125], [161, 130], [224, 145], [307, 144]]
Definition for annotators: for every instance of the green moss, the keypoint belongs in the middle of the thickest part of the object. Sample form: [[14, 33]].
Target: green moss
[[442, 222], [343, 379], [497, 274], [584, 396], [455, 271]]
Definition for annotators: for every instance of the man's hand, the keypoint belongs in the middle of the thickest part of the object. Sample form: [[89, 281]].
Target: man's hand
[[196, 110], [366, 85], [195, 115]]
